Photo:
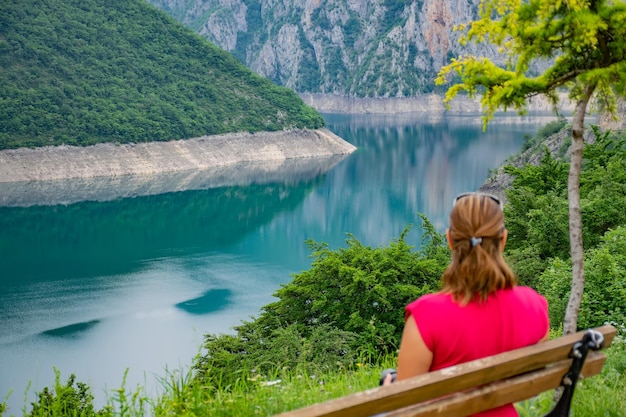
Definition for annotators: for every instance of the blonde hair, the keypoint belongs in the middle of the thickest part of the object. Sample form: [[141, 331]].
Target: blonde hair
[[477, 268]]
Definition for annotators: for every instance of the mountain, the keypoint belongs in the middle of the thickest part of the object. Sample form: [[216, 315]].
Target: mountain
[[374, 48], [82, 72]]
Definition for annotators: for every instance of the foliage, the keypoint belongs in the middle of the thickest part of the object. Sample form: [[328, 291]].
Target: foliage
[[266, 395], [537, 222], [544, 133], [527, 263], [601, 395], [551, 128], [82, 72], [232, 359], [348, 305], [583, 41], [536, 216], [550, 175], [126, 403], [536, 212], [585, 45], [604, 298], [65, 400], [358, 289]]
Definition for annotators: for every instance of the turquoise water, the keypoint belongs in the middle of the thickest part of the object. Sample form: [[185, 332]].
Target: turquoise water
[[98, 287]]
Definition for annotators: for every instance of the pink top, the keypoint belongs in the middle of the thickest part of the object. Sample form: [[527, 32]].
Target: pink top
[[509, 319]]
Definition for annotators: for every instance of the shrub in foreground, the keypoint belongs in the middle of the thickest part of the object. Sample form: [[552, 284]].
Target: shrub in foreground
[[604, 298], [348, 305]]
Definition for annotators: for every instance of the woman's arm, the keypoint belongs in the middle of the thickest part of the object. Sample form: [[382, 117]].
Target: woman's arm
[[414, 358]]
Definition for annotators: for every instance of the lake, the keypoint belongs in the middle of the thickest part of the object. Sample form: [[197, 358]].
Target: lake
[[132, 281]]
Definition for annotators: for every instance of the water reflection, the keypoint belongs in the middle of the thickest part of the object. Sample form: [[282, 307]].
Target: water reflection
[[72, 330], [108, 238], [403, 166], [427, 161], [57, 192], [209, 302]]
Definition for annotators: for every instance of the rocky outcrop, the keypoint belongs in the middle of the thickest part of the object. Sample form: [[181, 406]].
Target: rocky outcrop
[[614, 122], [557, 145], [380, 48], [111, 160], [500, 181]]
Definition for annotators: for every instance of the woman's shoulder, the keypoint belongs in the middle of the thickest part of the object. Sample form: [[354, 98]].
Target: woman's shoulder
[[432, 300], [431, 311], [526, 295], [522, 290]]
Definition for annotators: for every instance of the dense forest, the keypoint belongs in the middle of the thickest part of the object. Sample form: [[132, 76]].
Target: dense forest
[[90, 71]]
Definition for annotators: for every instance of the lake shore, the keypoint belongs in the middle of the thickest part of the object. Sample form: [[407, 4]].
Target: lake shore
[[208, 152], [113, 160], [423, 104]]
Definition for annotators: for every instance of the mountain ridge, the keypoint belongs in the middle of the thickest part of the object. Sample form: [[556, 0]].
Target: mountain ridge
[[81, 72], [379, 48]]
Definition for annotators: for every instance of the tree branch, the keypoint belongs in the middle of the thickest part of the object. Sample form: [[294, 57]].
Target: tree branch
[[564, 78]]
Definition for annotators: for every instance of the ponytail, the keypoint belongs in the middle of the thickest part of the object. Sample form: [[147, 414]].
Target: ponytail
[[476, 237]]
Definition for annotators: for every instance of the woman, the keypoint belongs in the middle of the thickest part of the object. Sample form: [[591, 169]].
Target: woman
[[480, 311]]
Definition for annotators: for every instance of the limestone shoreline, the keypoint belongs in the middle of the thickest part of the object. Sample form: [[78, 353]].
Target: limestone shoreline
[[427, 103], [111, 160]]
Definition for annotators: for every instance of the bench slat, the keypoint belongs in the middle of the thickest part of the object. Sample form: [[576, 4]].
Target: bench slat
[[449, 380], [499, 393]]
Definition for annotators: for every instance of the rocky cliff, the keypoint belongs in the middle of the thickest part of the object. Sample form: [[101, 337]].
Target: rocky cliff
[[378, 48], [617, 122]]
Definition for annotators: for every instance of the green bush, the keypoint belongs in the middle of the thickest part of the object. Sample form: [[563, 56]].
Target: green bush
[[604, 297], [527, 264], [537, 210], [538, 221], [544, 132], [65, 400], [349, 305]]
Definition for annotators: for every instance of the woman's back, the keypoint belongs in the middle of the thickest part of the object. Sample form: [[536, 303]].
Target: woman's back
[[481, 311], [507, 320]]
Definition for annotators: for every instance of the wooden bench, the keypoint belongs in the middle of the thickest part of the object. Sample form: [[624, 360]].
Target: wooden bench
[[480, 385]]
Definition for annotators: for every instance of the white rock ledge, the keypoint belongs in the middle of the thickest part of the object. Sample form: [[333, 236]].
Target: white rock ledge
[[428, 103], [110, 160]]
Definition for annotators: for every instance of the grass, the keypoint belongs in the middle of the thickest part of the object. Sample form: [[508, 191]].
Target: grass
[[603, 395], [265, 395], [259, 395]]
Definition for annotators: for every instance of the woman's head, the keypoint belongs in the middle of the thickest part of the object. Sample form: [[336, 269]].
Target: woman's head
[[476, 236]]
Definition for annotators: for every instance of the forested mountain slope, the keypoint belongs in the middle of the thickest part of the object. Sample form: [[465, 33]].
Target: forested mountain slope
[[89, 71], [375, 48]]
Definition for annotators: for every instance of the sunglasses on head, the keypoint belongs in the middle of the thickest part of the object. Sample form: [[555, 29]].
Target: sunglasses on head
[[490, 196]]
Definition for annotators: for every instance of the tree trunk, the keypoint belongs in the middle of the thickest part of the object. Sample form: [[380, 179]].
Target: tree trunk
[[575, 223]]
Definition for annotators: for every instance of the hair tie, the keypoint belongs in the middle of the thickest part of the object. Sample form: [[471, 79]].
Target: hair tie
[[476, 241]]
